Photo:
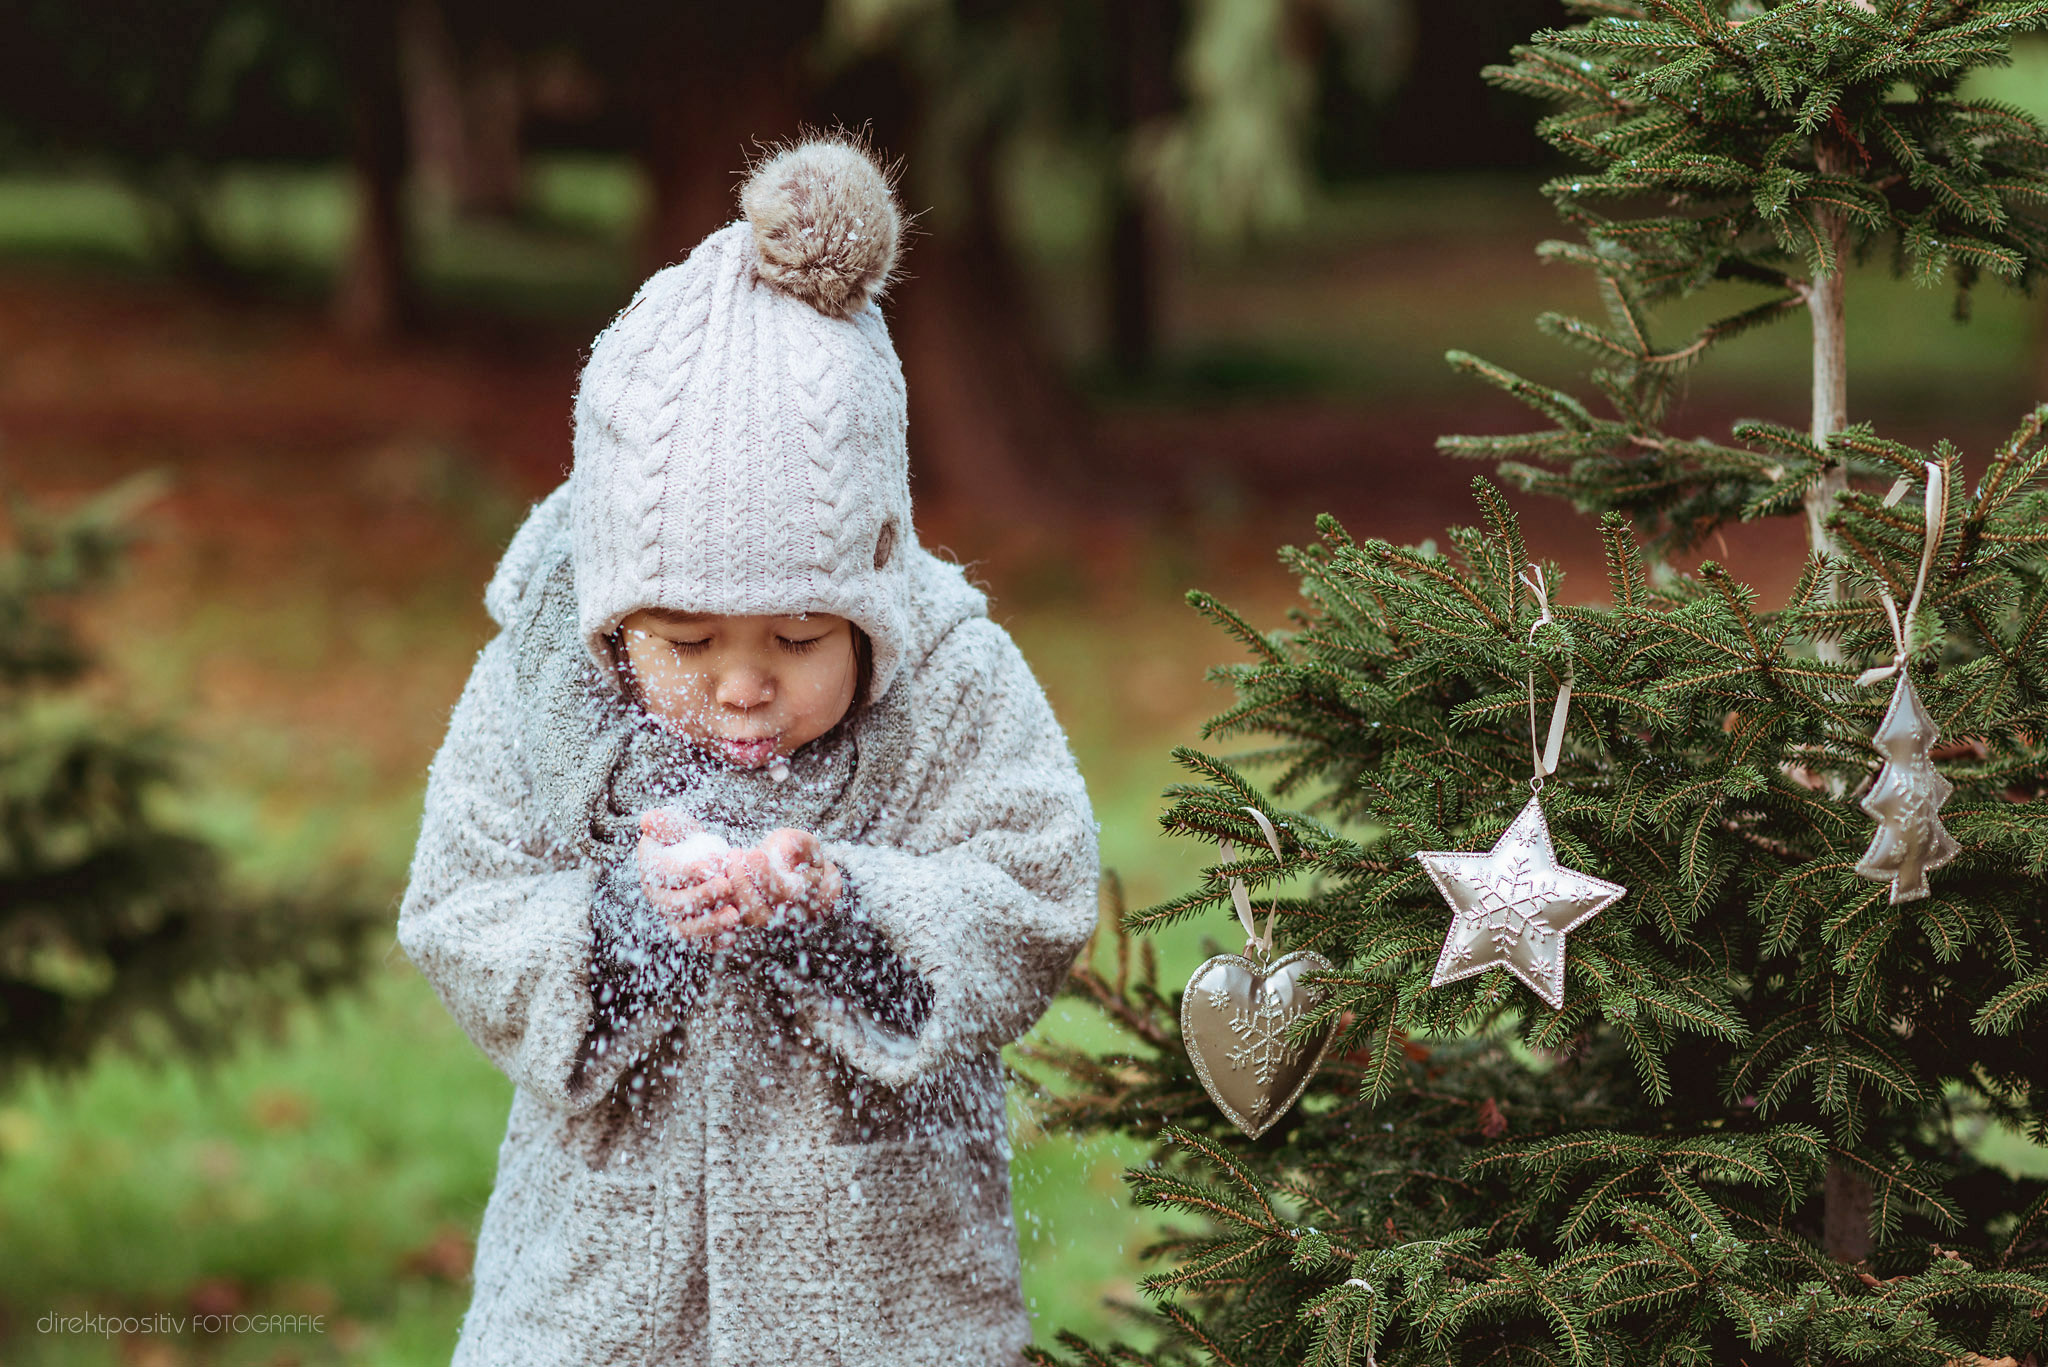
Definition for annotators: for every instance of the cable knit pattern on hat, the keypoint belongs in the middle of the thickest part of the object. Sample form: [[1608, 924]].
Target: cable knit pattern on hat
[[740, 427]]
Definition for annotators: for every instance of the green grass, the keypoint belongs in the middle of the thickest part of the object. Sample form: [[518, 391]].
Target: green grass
[[78, 215], [320, 1171], [304, 1175]]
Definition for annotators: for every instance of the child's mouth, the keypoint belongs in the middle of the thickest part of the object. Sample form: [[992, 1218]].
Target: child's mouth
[[748, 754]]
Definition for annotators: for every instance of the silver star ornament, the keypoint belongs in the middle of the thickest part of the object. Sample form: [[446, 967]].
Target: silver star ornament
[[1512, 905]]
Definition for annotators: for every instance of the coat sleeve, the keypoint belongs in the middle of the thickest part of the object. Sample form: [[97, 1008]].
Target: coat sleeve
[[500, 925], [986, 886]]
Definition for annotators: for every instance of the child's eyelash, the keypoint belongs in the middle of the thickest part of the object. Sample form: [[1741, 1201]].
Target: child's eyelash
[[690, 647], [799, 647]]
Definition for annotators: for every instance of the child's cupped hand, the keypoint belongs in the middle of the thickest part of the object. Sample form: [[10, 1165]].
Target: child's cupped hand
[[707, 889]]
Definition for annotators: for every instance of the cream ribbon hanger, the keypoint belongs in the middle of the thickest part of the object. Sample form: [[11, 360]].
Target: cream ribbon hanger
[[1544, 756], [1241, 899], [1902, 627]]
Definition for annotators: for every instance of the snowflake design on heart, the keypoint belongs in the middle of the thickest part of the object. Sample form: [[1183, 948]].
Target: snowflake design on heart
[[1262, 1028]]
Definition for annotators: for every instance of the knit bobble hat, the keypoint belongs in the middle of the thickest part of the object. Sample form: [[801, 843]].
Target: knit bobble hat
[[740, 425]]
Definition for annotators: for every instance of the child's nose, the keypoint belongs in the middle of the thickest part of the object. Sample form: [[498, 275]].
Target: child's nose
[[744, 688]]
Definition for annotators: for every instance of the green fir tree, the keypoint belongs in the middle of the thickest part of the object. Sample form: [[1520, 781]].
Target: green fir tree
[[116, 927], [1746, 1137]]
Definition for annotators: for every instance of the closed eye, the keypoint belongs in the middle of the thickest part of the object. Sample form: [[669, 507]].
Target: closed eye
[[797, 646], [690, 647]]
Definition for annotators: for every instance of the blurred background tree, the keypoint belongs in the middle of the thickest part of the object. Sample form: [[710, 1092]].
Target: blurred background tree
[[166, 95], [116, 927], [1203, 118]]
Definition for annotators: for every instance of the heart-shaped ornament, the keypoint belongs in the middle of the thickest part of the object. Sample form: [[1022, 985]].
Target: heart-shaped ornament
[[1235, 1019]]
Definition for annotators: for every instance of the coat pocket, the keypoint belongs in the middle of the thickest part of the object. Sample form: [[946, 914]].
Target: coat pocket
[[774, 1286], [508, 1222], [581, 1284], [927, 1254]]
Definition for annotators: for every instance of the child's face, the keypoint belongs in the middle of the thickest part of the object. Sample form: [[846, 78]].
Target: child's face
[[749, 688]]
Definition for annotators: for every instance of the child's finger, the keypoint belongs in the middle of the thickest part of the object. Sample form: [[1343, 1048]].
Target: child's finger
[[751, 898], [714, 896], [792, 849], [676, 866], [713, 925], [667, 899], [716, 891], [805, 876], [752, 869], [793, 858], [668, 824], [829, 886], [742, 897], [686, 897]]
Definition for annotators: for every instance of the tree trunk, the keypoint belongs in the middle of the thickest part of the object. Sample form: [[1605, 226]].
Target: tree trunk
[[372, 298], [1830, 379], [993, 420], [705, 120], [2038, 350], [464, 112], [1132, 286], [1141, 40], [493, 167], [1847, 1193], [1826, 312], [176, 197], [432, 80], [1846, 1222]]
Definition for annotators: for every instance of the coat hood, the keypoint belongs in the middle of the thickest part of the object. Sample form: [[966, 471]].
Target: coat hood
[[940, 597]]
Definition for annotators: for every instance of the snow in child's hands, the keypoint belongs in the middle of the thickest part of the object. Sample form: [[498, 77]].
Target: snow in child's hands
[[707, 889]]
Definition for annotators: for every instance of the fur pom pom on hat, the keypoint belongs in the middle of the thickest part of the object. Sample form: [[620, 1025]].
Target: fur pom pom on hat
[[825, 224], [740, 425]]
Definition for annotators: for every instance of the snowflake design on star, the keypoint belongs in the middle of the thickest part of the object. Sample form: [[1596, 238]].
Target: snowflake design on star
[[1511, 906]]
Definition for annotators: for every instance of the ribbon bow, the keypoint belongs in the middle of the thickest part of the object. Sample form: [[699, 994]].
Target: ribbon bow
[[1937, 522], [1241, 899]]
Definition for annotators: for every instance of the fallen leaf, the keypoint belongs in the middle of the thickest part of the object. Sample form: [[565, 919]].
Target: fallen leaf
[[216, 1296], [279, 1108], [445, 1257]]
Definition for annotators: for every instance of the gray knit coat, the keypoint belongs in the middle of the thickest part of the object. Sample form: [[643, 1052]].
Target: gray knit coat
[[790, 1152]]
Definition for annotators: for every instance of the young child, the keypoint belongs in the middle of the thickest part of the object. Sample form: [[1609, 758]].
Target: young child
[[751, 842]]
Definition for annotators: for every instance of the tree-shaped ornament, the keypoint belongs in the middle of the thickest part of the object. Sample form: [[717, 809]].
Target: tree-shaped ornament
[[1512, 905], [1238, 1015], [1907, 795]]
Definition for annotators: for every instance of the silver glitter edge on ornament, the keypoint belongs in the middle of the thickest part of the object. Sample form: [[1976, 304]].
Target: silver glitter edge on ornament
[[1258, 1022], [1528, 927]]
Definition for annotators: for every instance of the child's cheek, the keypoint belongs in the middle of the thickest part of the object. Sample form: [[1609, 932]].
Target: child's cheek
[[677, 697]]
